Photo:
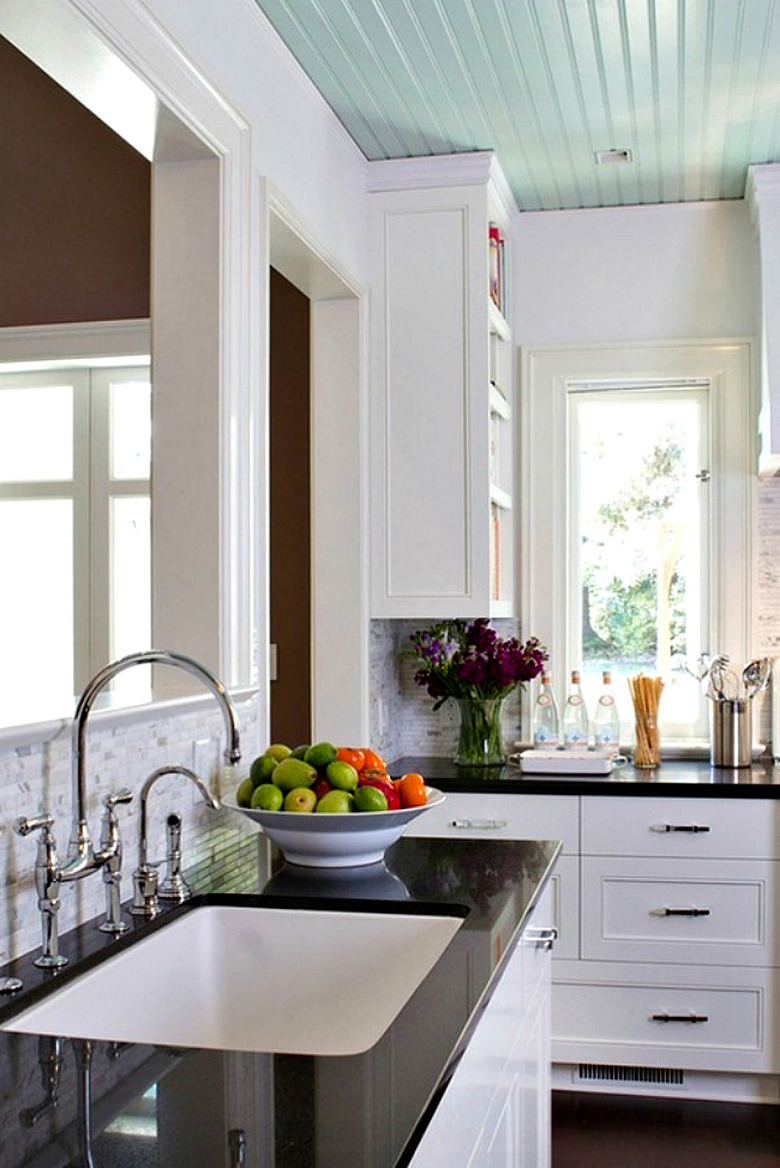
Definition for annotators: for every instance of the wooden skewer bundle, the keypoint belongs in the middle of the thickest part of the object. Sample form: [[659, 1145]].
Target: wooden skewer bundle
[[646, 696]]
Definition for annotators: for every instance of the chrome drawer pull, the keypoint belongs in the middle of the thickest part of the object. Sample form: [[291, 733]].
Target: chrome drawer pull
[[480, 824], [679, 912], [543, 938], [694, 828], [679, 1018]]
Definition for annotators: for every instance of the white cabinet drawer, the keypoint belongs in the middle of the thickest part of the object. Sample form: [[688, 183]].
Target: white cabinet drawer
[[687, 911], [693, 828], [693, 1017], [474, 816]]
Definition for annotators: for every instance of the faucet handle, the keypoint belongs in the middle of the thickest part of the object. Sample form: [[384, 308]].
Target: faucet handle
[[26, 824], [125, 795]]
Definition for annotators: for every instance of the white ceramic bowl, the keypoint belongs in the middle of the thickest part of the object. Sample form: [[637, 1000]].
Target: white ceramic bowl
[[335, 840]]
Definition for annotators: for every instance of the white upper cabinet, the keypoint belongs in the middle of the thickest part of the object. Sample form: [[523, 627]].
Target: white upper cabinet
[[763, 195], [442, 378]]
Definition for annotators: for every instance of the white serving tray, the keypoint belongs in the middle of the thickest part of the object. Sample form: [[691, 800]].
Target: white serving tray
[[569, 762]]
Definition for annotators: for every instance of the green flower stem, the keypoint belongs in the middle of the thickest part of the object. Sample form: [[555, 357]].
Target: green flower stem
[[480, 742]]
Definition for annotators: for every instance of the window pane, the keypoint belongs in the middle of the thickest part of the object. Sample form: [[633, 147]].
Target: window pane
[[131, 611], [131, 429], [36, 609], [641, 541], [36, 434]]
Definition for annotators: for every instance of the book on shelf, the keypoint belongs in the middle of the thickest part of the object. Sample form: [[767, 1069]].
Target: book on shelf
[[497, 268], [495, 554]]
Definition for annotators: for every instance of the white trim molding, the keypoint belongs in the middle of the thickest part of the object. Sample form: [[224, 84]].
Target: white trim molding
[[726, 365], [179, 120]]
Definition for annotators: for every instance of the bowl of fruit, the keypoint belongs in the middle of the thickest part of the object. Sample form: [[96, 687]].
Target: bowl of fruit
[[328, 806]]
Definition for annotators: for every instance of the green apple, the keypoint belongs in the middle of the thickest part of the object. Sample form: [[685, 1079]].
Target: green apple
[[261, 769], [278, 751], [341, 775], [244, 793], [293, 772], [335, 802], [370, 799], [267, 797], [300, 799], [300, 751], [320, 754]]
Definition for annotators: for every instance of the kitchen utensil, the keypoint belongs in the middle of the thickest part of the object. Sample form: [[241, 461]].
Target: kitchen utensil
[[755, 676], [700, 668], [717, 669]]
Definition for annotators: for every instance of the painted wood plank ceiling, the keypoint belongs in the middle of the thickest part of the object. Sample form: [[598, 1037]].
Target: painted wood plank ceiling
[[690, 87]]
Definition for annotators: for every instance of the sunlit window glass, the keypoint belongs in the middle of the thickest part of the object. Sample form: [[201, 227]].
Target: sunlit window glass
[[130, 576], [36, 432], [36, 607], [639, 542], [131, 429]]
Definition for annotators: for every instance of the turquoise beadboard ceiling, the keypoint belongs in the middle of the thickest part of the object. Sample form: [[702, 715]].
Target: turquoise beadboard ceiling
[[690, 87]]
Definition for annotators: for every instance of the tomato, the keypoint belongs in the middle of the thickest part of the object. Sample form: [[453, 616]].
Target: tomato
[[372, 761], [412, 790], [352, 755]]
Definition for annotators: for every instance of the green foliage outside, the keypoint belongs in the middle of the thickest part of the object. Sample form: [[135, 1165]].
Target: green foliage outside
[[623, 611]]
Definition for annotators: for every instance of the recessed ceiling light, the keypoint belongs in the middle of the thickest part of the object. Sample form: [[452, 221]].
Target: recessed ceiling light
[[613, 155]]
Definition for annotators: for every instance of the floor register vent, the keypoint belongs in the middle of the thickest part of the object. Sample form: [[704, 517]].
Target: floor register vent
[[661, 1076]]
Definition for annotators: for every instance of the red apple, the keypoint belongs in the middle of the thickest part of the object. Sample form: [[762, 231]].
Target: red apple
[[383, 783], [321, 787]]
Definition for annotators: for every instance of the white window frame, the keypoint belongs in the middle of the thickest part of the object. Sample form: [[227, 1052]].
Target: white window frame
[[90, 348], [727, 366]]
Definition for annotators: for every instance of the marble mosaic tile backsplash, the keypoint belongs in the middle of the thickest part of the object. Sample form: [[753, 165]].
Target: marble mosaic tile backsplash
[[120, 753]]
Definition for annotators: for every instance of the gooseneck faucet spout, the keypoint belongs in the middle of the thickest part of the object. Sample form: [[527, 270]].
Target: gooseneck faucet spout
[[79, 857]]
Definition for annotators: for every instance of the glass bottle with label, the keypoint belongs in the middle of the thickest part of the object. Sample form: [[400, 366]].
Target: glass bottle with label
[[606, 721], [576, 727], [547, 719]]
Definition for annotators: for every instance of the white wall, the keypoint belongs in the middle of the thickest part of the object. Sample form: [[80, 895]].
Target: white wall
[[661, 272], [297, 141]]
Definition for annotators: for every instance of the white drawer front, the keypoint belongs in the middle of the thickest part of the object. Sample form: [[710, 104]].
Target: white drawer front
[[703, 1023], [474, 816], [688, 911], [693, 828]]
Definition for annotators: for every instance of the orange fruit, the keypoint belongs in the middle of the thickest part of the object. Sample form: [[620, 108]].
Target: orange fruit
[[411, 788]]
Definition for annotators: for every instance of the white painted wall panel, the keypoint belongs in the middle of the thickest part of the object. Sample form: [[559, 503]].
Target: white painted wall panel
[[297, 142], [636, 273], [425, 335]]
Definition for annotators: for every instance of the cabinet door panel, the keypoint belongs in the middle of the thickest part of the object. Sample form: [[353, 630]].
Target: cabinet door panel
[[687, 828], [687, 911], [472, 816], [646, 1015]]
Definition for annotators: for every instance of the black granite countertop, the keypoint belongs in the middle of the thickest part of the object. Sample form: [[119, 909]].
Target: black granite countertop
[[153, 1107], [675, 777]]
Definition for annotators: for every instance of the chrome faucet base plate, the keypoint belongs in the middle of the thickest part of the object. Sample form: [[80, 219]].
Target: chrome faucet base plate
[[47, 962]]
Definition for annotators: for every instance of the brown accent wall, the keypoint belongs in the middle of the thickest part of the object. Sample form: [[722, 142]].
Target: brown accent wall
[[74, 207], [290, 513]]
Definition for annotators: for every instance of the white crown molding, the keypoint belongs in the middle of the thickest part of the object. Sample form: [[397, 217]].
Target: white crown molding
[[77, 342], [474, 168], [762, 184]]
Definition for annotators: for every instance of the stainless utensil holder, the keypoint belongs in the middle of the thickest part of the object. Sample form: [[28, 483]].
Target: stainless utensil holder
[[731, 733]]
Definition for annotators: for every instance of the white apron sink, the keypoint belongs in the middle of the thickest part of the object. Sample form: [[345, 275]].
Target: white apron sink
[[289, 981]]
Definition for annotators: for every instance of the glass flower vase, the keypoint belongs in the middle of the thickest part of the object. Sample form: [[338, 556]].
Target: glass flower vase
[[479, 741]]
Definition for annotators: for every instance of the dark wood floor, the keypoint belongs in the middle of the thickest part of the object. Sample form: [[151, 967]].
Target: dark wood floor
[[623, 1131]]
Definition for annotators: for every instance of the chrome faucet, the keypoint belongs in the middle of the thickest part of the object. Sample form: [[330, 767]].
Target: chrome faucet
[[145, 878], [83, 857]]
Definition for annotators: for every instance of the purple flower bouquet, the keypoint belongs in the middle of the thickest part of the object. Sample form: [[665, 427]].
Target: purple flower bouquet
[[479, 669]]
